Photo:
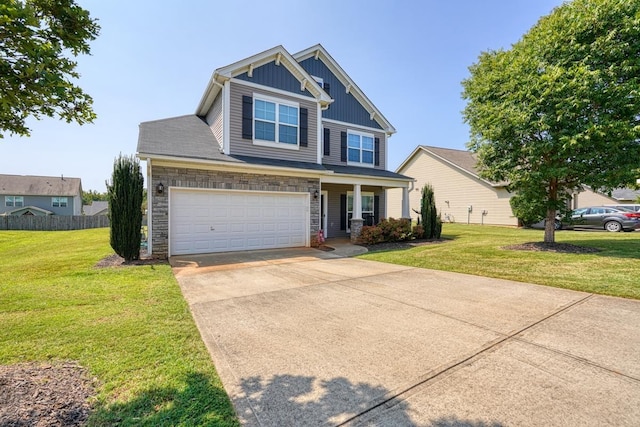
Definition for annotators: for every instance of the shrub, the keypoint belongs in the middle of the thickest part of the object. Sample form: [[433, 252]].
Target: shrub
[[125, 200], [388, 230], [431, 221], [418, 231]]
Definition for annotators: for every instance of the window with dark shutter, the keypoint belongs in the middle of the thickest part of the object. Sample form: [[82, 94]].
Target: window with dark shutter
[[327, 141], [247, 117], [343, 146], [377, 151], [304, 127], [327, 89], [376, 210]]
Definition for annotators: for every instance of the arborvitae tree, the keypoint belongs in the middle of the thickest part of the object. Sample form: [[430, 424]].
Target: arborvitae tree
[[431, 222], [125, 199]]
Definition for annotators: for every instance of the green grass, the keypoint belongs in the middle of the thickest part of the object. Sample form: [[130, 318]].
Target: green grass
[[130, 327], [474, 249]]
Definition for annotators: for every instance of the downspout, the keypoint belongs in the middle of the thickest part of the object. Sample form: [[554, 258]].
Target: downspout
[[149, 208]]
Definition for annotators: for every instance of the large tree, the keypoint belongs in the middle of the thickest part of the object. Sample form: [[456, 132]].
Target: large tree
[[37, 39], [561, 108]]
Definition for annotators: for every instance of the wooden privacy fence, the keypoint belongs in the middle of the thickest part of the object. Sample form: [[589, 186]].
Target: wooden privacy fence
[[52, 222]]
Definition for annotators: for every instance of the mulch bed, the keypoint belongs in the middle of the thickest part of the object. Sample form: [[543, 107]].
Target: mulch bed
[[391, 246], [56, 394], [564, 248], [117, 261]]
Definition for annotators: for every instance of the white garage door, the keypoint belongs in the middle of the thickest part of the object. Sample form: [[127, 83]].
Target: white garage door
[[204, 221]]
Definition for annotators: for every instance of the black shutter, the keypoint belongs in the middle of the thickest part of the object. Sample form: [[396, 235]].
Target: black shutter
[[343, 212], [377, 151], [327, 141], [376, 210], [247, 117], [304, 127], [327, 89], [343, 147]]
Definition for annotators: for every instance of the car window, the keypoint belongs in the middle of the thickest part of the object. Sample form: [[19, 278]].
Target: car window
[[580, 211], [597, 211]]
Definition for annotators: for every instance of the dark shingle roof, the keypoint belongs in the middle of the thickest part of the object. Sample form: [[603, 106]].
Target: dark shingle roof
[[29, 185]]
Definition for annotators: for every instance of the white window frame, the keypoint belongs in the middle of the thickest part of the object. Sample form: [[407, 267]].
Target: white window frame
[[12, 201], [363, 194], [373, 151], [276, 143], [60, 202], [319, 80]]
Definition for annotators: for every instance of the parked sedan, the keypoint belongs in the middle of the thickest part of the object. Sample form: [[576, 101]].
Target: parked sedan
[[602, 217]]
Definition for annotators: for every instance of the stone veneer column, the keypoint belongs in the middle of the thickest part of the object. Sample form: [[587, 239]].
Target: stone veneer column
[[356, 229]]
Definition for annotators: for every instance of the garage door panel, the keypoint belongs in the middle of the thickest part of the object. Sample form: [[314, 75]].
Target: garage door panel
[[219, 221]]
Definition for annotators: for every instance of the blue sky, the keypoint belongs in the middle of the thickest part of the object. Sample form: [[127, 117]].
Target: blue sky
[[153, 60]]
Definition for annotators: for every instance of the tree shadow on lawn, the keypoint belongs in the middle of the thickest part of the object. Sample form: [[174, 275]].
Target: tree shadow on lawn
[[198, 403], [291, 400], [612, 247]]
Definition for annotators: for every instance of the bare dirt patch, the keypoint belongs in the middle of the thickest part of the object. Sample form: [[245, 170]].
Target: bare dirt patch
[[56, 394], [564, 248]]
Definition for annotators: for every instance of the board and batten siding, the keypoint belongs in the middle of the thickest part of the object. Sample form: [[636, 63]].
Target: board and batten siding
[[335, 129], [245, 147], [215, 119], [454, 191]]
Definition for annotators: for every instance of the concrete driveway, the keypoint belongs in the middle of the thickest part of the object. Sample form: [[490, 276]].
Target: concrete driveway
[[303, 337]]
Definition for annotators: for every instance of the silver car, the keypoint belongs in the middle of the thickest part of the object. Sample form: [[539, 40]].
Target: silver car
[[603, 217]]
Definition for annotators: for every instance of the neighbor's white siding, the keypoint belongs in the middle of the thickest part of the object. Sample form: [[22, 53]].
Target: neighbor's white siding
[[454, 190], [590, 198]]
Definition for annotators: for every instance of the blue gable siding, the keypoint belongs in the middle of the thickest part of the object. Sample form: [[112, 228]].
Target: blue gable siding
[[276, 76], [345, 107]]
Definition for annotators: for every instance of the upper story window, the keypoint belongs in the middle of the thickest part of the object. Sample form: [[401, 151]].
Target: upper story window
[[59, 202], [276, 122], [319, 80], [14, 201], [360, 148]]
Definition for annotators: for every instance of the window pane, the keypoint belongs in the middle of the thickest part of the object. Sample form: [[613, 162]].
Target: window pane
[[367, 204], [19, 201], [8, 201], [354, 141], [367, 157], [349, 203], [288, 115], [288, 134], [354, 155], [265, 131], [367, 143], [265, 110]]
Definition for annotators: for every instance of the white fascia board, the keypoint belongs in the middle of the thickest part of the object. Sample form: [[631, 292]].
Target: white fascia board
[[226, 118], [171, 161], [365, 180], [321, 53], [211, 92], [409, 157], [454, 165]]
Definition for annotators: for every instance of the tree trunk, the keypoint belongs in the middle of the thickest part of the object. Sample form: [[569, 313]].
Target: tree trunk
[[550, 227]]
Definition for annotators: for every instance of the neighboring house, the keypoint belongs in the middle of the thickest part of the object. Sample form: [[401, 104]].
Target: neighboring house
[[281, 146], [97, 207], [458, 187], [40, 195], [461, 195]]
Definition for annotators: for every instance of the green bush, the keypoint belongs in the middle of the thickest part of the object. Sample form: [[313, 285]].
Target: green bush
[[387, 230], [125, 200], [431, 221], [418, 231]]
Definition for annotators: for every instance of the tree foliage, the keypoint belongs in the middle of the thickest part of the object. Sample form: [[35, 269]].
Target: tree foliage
[[93, 196], [431, 222], [36, 74], [561, 108], [125, 199]]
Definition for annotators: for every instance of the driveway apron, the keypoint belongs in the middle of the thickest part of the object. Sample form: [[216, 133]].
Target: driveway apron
[[304, 337]]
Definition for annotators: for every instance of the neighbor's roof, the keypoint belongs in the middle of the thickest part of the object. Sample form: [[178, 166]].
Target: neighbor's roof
[[29, 185], [460, 159], [625, 194], [95, 207]]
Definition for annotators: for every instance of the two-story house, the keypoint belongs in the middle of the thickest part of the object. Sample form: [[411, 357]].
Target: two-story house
[[40, 195], [281, 148]]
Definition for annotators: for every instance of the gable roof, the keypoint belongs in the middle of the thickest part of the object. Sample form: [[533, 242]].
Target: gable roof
[[29, 185], [278, 54], [463, 160], [27, 210], [321, 53], [96, 207]]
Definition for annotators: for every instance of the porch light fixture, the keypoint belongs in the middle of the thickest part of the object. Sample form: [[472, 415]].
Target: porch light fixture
[[160, 189], [315, 194]]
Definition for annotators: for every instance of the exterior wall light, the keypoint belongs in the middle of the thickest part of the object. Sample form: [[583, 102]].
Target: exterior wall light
[[315, 194], [160, 189]]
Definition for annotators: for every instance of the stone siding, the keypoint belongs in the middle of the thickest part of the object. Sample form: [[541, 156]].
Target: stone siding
[[197, 178]]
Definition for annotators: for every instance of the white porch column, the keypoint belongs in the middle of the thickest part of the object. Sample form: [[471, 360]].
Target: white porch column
[[357, 202], [405, 203]]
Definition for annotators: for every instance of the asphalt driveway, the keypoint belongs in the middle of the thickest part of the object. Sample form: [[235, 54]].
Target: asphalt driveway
[[303, 337]]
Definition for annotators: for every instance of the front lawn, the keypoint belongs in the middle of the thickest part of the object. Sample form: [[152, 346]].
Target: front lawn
[[129, 326], [475, 249]]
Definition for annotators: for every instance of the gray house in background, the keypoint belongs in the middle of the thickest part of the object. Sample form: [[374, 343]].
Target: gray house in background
[[97, 207], [282, 149], [40, 195]]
